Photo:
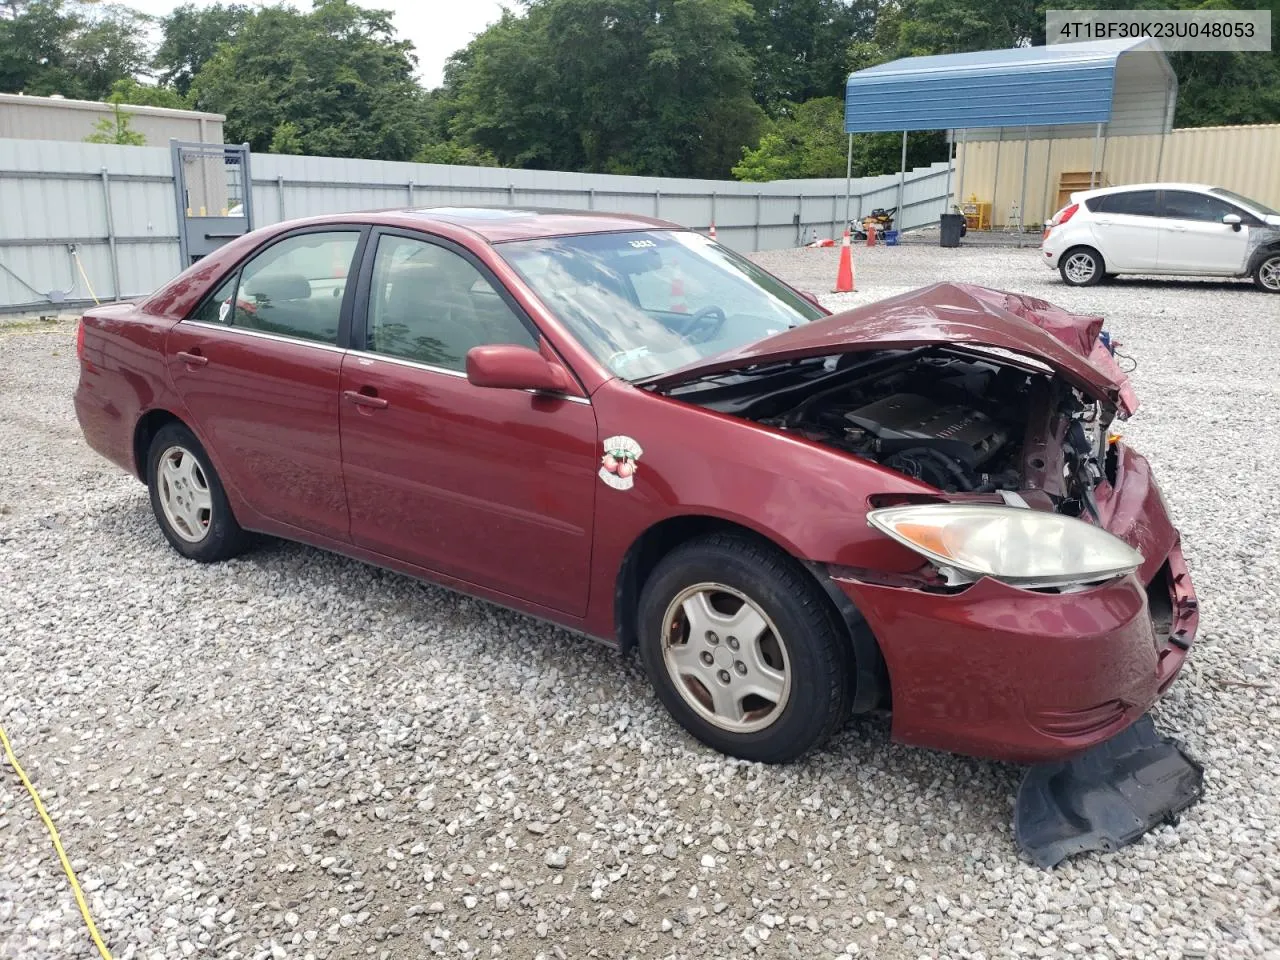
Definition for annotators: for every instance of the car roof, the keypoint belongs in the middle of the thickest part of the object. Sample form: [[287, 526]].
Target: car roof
[[500, 224], [1101, 191]]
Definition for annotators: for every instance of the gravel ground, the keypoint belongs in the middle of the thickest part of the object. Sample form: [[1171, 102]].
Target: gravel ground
[[295, 755]]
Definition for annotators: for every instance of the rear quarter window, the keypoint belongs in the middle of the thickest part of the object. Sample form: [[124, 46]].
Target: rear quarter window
[[1134, 203]]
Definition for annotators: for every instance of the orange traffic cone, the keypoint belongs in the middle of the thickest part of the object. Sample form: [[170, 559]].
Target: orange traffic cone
[[713, 231], [871, 234], [844, 276], [677, 293]]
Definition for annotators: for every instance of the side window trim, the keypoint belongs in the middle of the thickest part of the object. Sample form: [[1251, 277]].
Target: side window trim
[[348, 296], [361, 312]]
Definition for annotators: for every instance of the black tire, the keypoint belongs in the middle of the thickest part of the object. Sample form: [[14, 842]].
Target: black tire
[[1266, 272], [222, 537], [816, 654], [1071, 267]]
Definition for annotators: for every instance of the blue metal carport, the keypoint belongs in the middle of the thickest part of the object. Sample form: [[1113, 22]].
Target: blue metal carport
[[1102, 88]]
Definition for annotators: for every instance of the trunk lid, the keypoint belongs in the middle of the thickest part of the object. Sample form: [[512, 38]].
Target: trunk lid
[[957, 314]]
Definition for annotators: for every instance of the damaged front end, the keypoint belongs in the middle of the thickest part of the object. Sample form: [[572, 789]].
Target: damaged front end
[[992, 400]]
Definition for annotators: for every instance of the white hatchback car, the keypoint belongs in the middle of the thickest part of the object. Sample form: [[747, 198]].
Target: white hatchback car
[[1164, 228]]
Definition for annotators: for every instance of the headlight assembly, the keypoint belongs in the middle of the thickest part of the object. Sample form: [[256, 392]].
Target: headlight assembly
[[1026, 548]]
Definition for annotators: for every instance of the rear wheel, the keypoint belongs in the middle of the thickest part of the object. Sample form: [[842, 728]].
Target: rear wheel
[[743, 649], [1266, 275], [188, 500], [1081, 267]]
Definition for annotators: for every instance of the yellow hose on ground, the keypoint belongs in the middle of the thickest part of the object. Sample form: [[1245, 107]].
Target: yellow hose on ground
[[57, 845]]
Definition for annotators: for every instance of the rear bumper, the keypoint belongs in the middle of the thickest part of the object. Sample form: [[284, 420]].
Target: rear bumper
[[1019, 675], [103, 424], [1050, 251]]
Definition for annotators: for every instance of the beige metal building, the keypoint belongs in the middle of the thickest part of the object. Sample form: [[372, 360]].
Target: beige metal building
[[54, 118], [1240, 158]]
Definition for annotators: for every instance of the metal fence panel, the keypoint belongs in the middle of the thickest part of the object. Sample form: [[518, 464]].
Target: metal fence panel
[[53, 207]]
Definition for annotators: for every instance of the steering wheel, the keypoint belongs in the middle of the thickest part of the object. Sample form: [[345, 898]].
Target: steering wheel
[[705, 324]]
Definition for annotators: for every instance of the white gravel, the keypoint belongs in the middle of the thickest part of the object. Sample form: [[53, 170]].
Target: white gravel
[[294, 755]]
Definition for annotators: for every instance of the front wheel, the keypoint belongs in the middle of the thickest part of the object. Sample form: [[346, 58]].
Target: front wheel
[[743, 649], [187, 498], [1266, 275], [1081, 267]]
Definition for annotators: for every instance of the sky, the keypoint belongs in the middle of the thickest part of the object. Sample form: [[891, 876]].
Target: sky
[[436, 27]]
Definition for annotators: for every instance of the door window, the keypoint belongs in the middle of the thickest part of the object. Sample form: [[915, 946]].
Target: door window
[[1185, 205], [218, 308], [429, 304], [1133, 203], [295, 287]]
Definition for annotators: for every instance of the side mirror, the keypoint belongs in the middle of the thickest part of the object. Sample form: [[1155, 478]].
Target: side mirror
[[510, 367], [1233, 219]]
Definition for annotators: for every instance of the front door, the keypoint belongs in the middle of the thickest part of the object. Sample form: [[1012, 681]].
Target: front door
[[258, 367], [493, 487], [1193, 238]]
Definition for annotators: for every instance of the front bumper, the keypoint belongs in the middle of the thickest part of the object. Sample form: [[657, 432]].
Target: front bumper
[[1027, 676]]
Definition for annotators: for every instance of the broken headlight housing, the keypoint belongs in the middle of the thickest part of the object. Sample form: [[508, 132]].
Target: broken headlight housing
[[1026, 548]]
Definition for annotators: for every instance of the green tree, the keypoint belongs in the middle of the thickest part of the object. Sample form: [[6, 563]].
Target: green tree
[[337, 76], [116, 129], [798, 47], [190, 36], [77, 49], [808, 140], [658, 87], [453, 152], [138, 94]]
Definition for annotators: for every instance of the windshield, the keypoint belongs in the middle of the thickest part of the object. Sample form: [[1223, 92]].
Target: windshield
[[1245, 202], [645, 303]]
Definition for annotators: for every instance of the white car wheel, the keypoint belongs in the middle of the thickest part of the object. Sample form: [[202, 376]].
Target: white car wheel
[[1081, 267], [1267, 274]]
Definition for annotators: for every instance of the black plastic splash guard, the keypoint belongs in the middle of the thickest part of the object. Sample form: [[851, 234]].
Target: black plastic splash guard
[[1107, 797]]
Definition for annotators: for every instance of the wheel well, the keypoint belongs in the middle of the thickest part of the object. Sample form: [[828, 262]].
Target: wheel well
[[1267, 250], [143, 433], [870, 672], [1084, 246]]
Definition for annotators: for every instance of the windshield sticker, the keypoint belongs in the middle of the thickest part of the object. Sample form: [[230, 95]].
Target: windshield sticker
[[618, 465]]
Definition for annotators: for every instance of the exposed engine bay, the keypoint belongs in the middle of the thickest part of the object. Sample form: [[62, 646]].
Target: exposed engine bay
[[960, 420]]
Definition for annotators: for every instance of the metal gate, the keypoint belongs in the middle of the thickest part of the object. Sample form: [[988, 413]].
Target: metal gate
[[214, 195]]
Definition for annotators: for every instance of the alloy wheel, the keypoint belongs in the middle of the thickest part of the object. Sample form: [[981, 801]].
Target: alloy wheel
[[726, 658], [1080, 267], [1269, 274], [184, 494]]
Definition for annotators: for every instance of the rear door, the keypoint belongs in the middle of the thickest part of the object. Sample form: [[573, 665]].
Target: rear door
[[258, 367], [493, 487], [1126, 228], [1193, 238]]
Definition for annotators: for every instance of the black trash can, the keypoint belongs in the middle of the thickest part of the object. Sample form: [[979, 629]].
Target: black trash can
[[952, 225]]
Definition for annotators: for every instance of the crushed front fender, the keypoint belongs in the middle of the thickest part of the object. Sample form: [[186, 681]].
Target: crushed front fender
[[1106, 797]]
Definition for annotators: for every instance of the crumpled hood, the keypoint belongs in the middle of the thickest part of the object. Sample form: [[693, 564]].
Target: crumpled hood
[[946, 313]]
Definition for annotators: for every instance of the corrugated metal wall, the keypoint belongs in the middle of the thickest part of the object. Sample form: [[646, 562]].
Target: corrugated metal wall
[[54, 196], [1242, 159], [53, 200], [54, 118]]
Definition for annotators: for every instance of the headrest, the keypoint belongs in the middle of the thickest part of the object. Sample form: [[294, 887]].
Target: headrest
[[276, 288]]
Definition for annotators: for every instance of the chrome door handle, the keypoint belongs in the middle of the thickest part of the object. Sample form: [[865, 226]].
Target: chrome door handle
[[365, 400]]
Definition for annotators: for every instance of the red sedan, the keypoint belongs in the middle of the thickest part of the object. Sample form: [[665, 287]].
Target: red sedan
[[618, 425]]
